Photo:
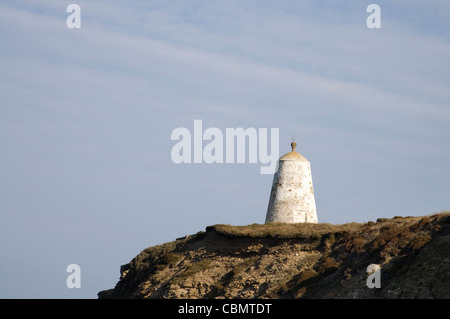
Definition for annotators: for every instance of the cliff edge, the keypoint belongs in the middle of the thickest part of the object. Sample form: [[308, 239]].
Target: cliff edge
[[278, 260]]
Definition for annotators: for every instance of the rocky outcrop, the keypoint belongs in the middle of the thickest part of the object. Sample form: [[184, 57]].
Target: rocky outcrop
[[296, 261]]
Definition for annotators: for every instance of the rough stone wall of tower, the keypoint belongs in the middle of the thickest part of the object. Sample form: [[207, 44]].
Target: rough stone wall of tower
[[292, 195]]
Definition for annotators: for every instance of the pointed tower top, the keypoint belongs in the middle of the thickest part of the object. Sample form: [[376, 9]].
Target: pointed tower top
[[293, 155]]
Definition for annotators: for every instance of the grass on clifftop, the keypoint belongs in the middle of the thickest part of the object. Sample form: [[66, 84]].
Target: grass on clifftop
[[309, 230], [282, 230]]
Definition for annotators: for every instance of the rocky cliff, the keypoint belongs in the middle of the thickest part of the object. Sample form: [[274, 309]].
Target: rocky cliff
[[296, 261]]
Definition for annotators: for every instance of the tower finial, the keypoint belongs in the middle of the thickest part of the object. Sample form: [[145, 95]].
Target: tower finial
[[293, 145]]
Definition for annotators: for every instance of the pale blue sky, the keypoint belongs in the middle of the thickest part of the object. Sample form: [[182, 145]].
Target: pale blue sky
[[86, 117]]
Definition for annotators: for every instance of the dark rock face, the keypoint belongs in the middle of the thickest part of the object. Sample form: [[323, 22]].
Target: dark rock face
[[279, 260]]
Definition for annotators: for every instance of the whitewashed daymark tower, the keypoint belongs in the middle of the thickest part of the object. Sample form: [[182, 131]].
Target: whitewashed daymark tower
[[292, 196]]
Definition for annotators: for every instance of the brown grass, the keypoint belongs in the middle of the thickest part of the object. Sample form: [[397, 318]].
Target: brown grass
[[282, 230], [389, 228]]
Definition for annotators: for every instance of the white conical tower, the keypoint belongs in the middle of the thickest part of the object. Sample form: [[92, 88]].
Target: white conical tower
[[292, 196]]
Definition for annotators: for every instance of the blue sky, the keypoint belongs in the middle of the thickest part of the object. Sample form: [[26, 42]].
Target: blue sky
[[86, 117]]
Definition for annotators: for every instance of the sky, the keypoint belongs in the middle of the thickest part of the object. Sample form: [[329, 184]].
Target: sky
[[86, 117]]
